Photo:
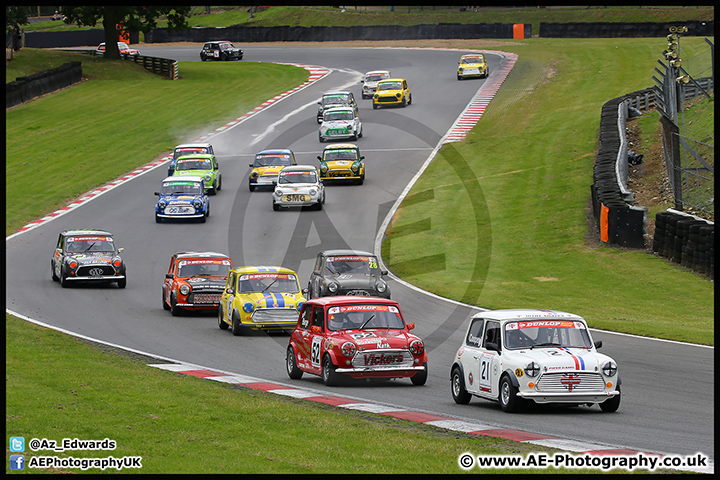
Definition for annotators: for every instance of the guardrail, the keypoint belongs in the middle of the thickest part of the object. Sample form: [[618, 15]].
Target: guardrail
[[165, 67]]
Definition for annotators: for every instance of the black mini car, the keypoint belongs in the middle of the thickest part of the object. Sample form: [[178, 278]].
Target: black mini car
[[220, 50], [347, 272], [87, 256]]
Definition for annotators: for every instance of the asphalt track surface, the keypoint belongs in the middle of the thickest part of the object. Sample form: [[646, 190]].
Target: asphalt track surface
[[668, 387]]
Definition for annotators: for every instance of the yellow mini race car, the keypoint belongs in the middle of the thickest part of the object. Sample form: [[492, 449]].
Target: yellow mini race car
[[342, 161], [392, 91], [268, 163], [472, 66], [260, 298]]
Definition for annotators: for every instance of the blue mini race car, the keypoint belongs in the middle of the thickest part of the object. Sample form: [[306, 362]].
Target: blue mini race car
[[182, 197]]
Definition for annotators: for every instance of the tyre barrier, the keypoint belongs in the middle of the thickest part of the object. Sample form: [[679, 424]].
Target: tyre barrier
[[685, 239], [24, 89]]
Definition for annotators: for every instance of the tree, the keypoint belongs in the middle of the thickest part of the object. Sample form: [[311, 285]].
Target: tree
[[131, 19]]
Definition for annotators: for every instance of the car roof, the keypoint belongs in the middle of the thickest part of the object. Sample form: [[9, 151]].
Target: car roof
[[293, 168], [472, 55], [274, 150], [340, 251], [182, 178], [262, 269], [337, 93], [522, 314], [338, 146], [219, 41], [186, 145], [206, 156], [350, 300], [395, 79], [200, 255], [85, 231], [377, 72]]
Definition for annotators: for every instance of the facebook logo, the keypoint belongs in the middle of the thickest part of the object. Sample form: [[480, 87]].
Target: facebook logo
[[17, 462], [17, 444]]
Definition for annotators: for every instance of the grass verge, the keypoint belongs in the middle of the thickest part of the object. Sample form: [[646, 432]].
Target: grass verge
[[182, 424]]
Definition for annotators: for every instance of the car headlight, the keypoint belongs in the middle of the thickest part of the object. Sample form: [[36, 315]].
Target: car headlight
[[348, 349], [333, 287], [73, 264], [397, 95], [609, 368], [248, 307], [184, 289], [208, 177], [381, 286], [532, 369], [417, 347], [197, 204], [460, 70], [299, 305], [355, 167], [117, 262], [254, 174], [376, 96], [313, 192], [162, 204], [324, 168], [278, 192]]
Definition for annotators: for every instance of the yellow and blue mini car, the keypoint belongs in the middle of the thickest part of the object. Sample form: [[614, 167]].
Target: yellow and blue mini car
[[267, 165], [392, 91], [260, 298], [472, 66], [342, 161]]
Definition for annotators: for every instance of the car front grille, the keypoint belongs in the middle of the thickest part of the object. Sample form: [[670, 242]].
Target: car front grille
[[382, 359], [275, 315], [575, 382], [388, 99], [357, 292], [95, 271], [204, 298]]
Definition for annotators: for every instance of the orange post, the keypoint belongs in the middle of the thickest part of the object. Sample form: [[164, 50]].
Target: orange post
[[604, 211], [519, 30]]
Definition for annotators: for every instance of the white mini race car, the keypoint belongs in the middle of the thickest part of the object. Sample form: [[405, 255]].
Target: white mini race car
[[545, 356], [299, 186], [340, 123]]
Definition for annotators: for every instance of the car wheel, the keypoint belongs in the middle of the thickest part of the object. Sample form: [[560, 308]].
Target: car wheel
[[509, 400], [122, 283], [251, 186], [223, 57], [52, 272], [63, 278], [219, 185], [362, 179], [213, 190], [410, 99], [611, 404], [319, 205], [221, 322], [158, 218], [329, 376], [421, 377], [203, 58], [291, 366], [165, 305], [276, 207], [203, 219], [404, 102], [360, 134], [320, 137], [174, 309], [457, 385], [459, 77], [237, 328]]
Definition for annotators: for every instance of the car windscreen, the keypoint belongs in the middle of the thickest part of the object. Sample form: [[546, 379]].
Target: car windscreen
[[335, 99], [546, 334], [375, 78], [89, 243], [268, 283], [344, 154], [179, 152], [472, 60], [334, 116], [203, 267], [389, 86], [177, 188], [297, 177], [353, 317], [272, 160], [352, 264], [226, 46], [193, 164]]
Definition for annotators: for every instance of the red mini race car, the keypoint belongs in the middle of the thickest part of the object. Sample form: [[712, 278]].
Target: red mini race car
[[361, 337], [195, 281]]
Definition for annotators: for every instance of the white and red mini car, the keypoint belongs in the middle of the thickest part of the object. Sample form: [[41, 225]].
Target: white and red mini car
[[540, 355], [122, 46], [361, 337]]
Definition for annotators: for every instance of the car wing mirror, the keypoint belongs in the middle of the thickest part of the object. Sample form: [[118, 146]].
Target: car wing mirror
[[157, 193], [362, 157], [383, 272], [410, 326], [168, 275], [250, 165], [121, 250], [492, 346], [598, 344]]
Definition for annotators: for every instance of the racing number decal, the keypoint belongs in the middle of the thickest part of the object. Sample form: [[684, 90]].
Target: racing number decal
[[315, 351], [485, 366]]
